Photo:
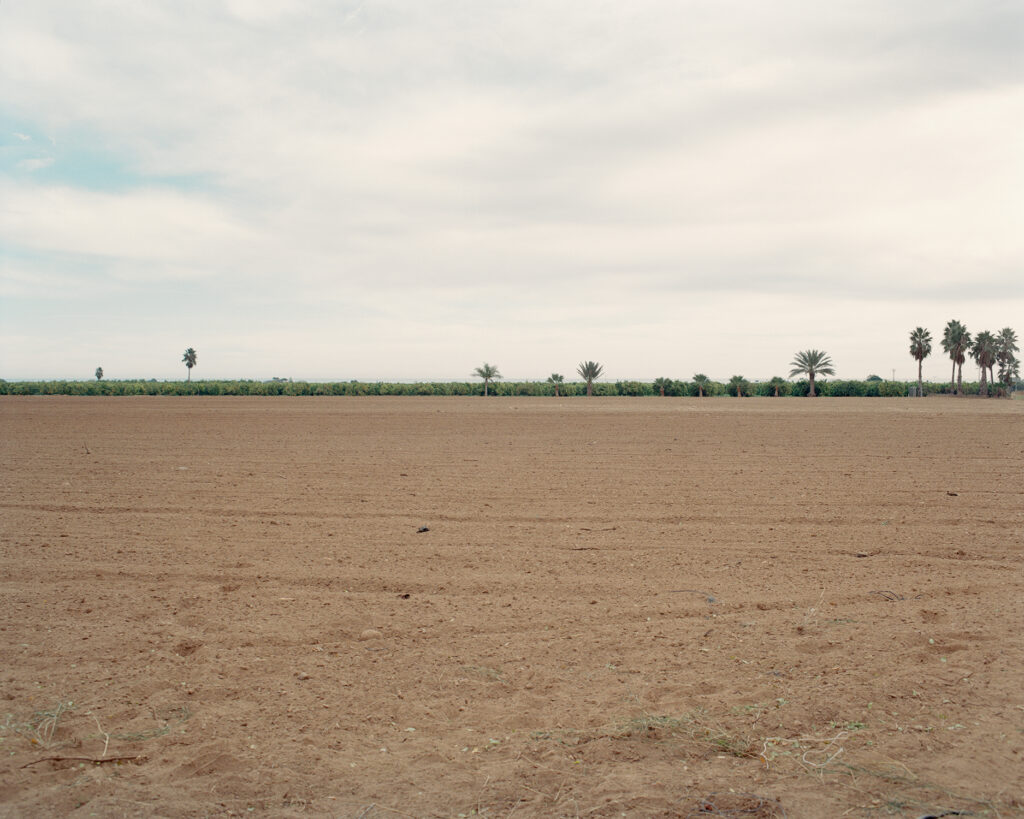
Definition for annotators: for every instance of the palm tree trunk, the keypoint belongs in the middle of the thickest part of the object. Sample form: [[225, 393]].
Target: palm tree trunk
[[485, 388], [983, 385], [812, 385], [920, 387], [952, 378], [590, 389], [960, 380]]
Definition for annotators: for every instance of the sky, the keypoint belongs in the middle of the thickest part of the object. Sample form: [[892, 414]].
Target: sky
[[406, 189]]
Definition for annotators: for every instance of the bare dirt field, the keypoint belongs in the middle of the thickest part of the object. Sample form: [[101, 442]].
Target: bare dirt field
[[622, 607]]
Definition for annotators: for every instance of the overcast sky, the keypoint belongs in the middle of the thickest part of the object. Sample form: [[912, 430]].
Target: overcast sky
[[404, 189]]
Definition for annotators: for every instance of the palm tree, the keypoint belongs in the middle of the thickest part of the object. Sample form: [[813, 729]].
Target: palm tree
[[99, 373], [702, 382], [920, 349], [487, 372], [662, 384], [190, 361], [812, 363], [556, 379], [1010, 372], [738, 383], [1006, 346], [955, 342], [589, 370], [777, 382], [984, 353]]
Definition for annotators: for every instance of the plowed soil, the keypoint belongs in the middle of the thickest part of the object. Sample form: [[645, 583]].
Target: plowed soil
[[423, 607]]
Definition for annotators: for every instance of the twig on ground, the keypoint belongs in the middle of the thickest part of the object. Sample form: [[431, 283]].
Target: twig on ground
[[709, 597], [80, 759], [106, 736]]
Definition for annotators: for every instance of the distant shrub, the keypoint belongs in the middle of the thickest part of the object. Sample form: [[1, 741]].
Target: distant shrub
[[892, 389], [633, 388], [844, 389]]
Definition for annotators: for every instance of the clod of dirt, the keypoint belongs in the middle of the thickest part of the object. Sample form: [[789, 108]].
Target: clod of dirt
[[302, 675], [187, 647], [370, 634], [422, 529]]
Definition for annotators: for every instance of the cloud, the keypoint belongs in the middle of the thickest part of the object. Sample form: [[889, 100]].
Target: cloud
[[35, 164], [441, 175]]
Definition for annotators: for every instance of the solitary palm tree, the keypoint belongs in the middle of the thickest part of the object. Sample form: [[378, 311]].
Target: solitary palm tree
[[555, 379], [920, 349], [738, 383], [589, 370], [662, 384], [190, 361], [99, 373], [702, 382], [812, 363], [984, 352], [778, 383], [955, 342], [487, 372], [1006, 346]]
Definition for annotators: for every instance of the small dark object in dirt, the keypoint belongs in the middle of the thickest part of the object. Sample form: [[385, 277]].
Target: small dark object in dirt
[[404, 596], [423, 529], [862, 554], [952, 494], [737, 804]]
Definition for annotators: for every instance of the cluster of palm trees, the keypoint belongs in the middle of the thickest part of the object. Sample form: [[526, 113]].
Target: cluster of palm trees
[[589, 371], [986, 348], [811, 363], [807, 362]]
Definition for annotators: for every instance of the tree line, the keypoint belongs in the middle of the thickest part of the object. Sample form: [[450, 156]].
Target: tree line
[[987, 349], [667, 387]]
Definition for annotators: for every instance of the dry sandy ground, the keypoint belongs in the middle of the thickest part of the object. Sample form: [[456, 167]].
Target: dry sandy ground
[[622, 607]]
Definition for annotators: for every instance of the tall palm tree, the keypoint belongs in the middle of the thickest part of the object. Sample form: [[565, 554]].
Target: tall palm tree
[[589, 370], [702, 382], [738, 383], [1006, 346], [190, 361], [955, 342], [487, 372], [556, 379], [778, 383], [984, 351], [920, 349], [812, 363]]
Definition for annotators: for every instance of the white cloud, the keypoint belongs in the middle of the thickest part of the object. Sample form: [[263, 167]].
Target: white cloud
[[35, 164], [160, 227]]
